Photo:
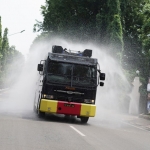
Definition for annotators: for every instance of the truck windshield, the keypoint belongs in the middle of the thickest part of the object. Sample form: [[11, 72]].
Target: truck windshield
[[74, 74]]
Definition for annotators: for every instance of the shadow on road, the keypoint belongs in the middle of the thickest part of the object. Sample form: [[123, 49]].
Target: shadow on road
[[31, 115]]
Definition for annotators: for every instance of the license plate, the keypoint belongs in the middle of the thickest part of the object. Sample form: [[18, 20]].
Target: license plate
[[69, 105]]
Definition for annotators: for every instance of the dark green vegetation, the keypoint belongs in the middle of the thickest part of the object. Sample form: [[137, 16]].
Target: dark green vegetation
[[10, 60], [122, 25]]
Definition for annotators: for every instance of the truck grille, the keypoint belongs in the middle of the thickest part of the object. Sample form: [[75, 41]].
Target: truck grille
[[69, 99]]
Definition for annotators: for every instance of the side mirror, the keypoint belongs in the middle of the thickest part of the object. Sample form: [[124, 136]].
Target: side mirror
[[101, 84], [102, 76], [40, 67]]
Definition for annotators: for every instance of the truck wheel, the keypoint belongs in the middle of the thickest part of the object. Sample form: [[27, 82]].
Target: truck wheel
[[84, 119]]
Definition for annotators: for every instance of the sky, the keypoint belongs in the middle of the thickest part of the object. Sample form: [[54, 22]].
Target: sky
[[18, 15]]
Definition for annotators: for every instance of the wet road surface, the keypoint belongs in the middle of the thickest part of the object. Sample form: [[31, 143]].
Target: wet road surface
[[21, 129]]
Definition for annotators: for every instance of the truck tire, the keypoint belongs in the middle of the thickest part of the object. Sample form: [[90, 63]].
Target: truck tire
[[84, 120]]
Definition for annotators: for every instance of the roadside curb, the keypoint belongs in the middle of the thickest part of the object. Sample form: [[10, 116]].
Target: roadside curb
[[145, 116]]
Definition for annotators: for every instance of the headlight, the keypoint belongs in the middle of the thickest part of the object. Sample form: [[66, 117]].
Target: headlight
[[89, 101], [48, 96], [93, 101]]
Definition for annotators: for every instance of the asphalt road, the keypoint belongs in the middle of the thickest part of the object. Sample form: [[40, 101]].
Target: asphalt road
[[21, 129]]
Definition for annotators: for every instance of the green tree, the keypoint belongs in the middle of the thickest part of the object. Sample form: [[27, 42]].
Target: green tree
[[132, 21], [115, 27], [0, 34], [11, 60], [102, 23], [144, 36], [0, 42], [5, 47], [70, 18], [84, 20]]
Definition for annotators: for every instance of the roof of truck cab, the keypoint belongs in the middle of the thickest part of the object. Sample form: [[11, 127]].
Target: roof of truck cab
[[72, 59]]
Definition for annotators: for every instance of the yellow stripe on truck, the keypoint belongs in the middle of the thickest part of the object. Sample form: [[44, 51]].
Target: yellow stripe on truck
[[48, 106], [88, 110]]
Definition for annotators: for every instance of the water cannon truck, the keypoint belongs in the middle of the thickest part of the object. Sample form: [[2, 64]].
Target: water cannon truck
[[67, 83]]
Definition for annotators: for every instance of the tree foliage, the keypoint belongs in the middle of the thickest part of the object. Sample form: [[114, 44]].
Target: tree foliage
[[0, 38], [10, 60], [115, 27], [84, 20]]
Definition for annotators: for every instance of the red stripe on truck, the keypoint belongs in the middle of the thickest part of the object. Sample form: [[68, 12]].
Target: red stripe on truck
[[69, 108]]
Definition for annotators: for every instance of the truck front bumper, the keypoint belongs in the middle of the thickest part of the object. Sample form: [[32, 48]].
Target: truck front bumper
[[68, 108]]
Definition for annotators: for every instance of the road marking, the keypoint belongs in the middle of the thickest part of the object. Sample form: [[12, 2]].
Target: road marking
[[77, 131], [134, 126]]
